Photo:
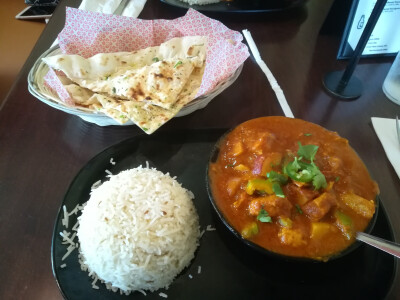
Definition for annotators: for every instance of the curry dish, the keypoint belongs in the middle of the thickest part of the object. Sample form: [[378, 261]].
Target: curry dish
[[292, 187]]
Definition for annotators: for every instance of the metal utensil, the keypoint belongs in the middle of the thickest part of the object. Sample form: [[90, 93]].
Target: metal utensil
[[398, 128], [384, 245]]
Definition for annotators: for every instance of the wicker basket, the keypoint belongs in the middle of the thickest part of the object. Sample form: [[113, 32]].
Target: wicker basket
[[38, 89]]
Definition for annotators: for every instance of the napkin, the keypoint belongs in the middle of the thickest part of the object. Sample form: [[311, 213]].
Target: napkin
[[274, 84], [127, 8], [386, 132], [87, 33]]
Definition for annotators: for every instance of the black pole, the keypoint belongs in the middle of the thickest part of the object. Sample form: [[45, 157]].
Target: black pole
[[340, 83]]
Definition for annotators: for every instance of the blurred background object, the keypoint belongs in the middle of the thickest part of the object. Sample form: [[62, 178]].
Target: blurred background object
[[17, 39], [391, 85], [41, 2]]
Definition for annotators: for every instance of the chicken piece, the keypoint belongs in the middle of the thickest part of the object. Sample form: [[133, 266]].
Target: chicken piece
[[237, 149], [269, 141], [300, 195], [360, 205], [291, 237], [316, 209], [272, 159], [240, 198], [256, 147], [232, 185], [241, 168], [256, 144], [274, 205], [335, 163]]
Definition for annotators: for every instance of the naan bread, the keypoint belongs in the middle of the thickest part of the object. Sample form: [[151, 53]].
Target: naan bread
[[155, 75], [149, 86], [147, 116], [103, 65], [159, 83], [80, 95]]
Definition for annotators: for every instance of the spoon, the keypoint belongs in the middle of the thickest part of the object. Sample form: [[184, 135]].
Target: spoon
[[384, 245]]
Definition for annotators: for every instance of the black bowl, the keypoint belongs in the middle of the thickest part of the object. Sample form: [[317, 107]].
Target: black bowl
[[213, 158]]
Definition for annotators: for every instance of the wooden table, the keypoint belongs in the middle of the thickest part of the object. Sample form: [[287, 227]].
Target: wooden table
[[42, 149]]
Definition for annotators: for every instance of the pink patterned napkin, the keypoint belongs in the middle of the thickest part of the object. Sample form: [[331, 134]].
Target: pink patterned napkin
[[87, 33]]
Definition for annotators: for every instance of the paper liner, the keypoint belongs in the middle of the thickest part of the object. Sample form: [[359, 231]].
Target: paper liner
[[87, 33], [54, 83]]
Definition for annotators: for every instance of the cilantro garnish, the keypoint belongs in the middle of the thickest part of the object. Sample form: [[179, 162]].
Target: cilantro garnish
[[278, 190], [155, 59], [277, 180], [303, 171], [114, 90], [276, 177], [178, 63], [307, 134], [263, 216], [299, 210], [319, 180], [307, 151]]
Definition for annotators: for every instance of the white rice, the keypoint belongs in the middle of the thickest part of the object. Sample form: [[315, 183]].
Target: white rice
[[65, 219], [210, 228], [200, 2], [138, 231], [96, 184]]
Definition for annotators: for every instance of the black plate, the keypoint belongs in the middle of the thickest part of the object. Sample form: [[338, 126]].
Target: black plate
[[229, 269], [241, 6]]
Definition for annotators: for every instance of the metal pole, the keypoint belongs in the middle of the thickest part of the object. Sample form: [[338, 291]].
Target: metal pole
[[337, 82]]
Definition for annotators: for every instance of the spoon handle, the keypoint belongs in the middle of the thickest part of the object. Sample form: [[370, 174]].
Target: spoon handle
[[384, 245]]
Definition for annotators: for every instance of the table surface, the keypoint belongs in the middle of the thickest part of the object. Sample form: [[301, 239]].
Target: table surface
[[42, 149]]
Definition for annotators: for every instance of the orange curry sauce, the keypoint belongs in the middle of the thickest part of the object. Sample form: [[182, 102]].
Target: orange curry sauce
[[303, 221]]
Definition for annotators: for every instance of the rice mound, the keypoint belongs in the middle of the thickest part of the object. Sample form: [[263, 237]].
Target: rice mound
[[200, 2], [138, 230]]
